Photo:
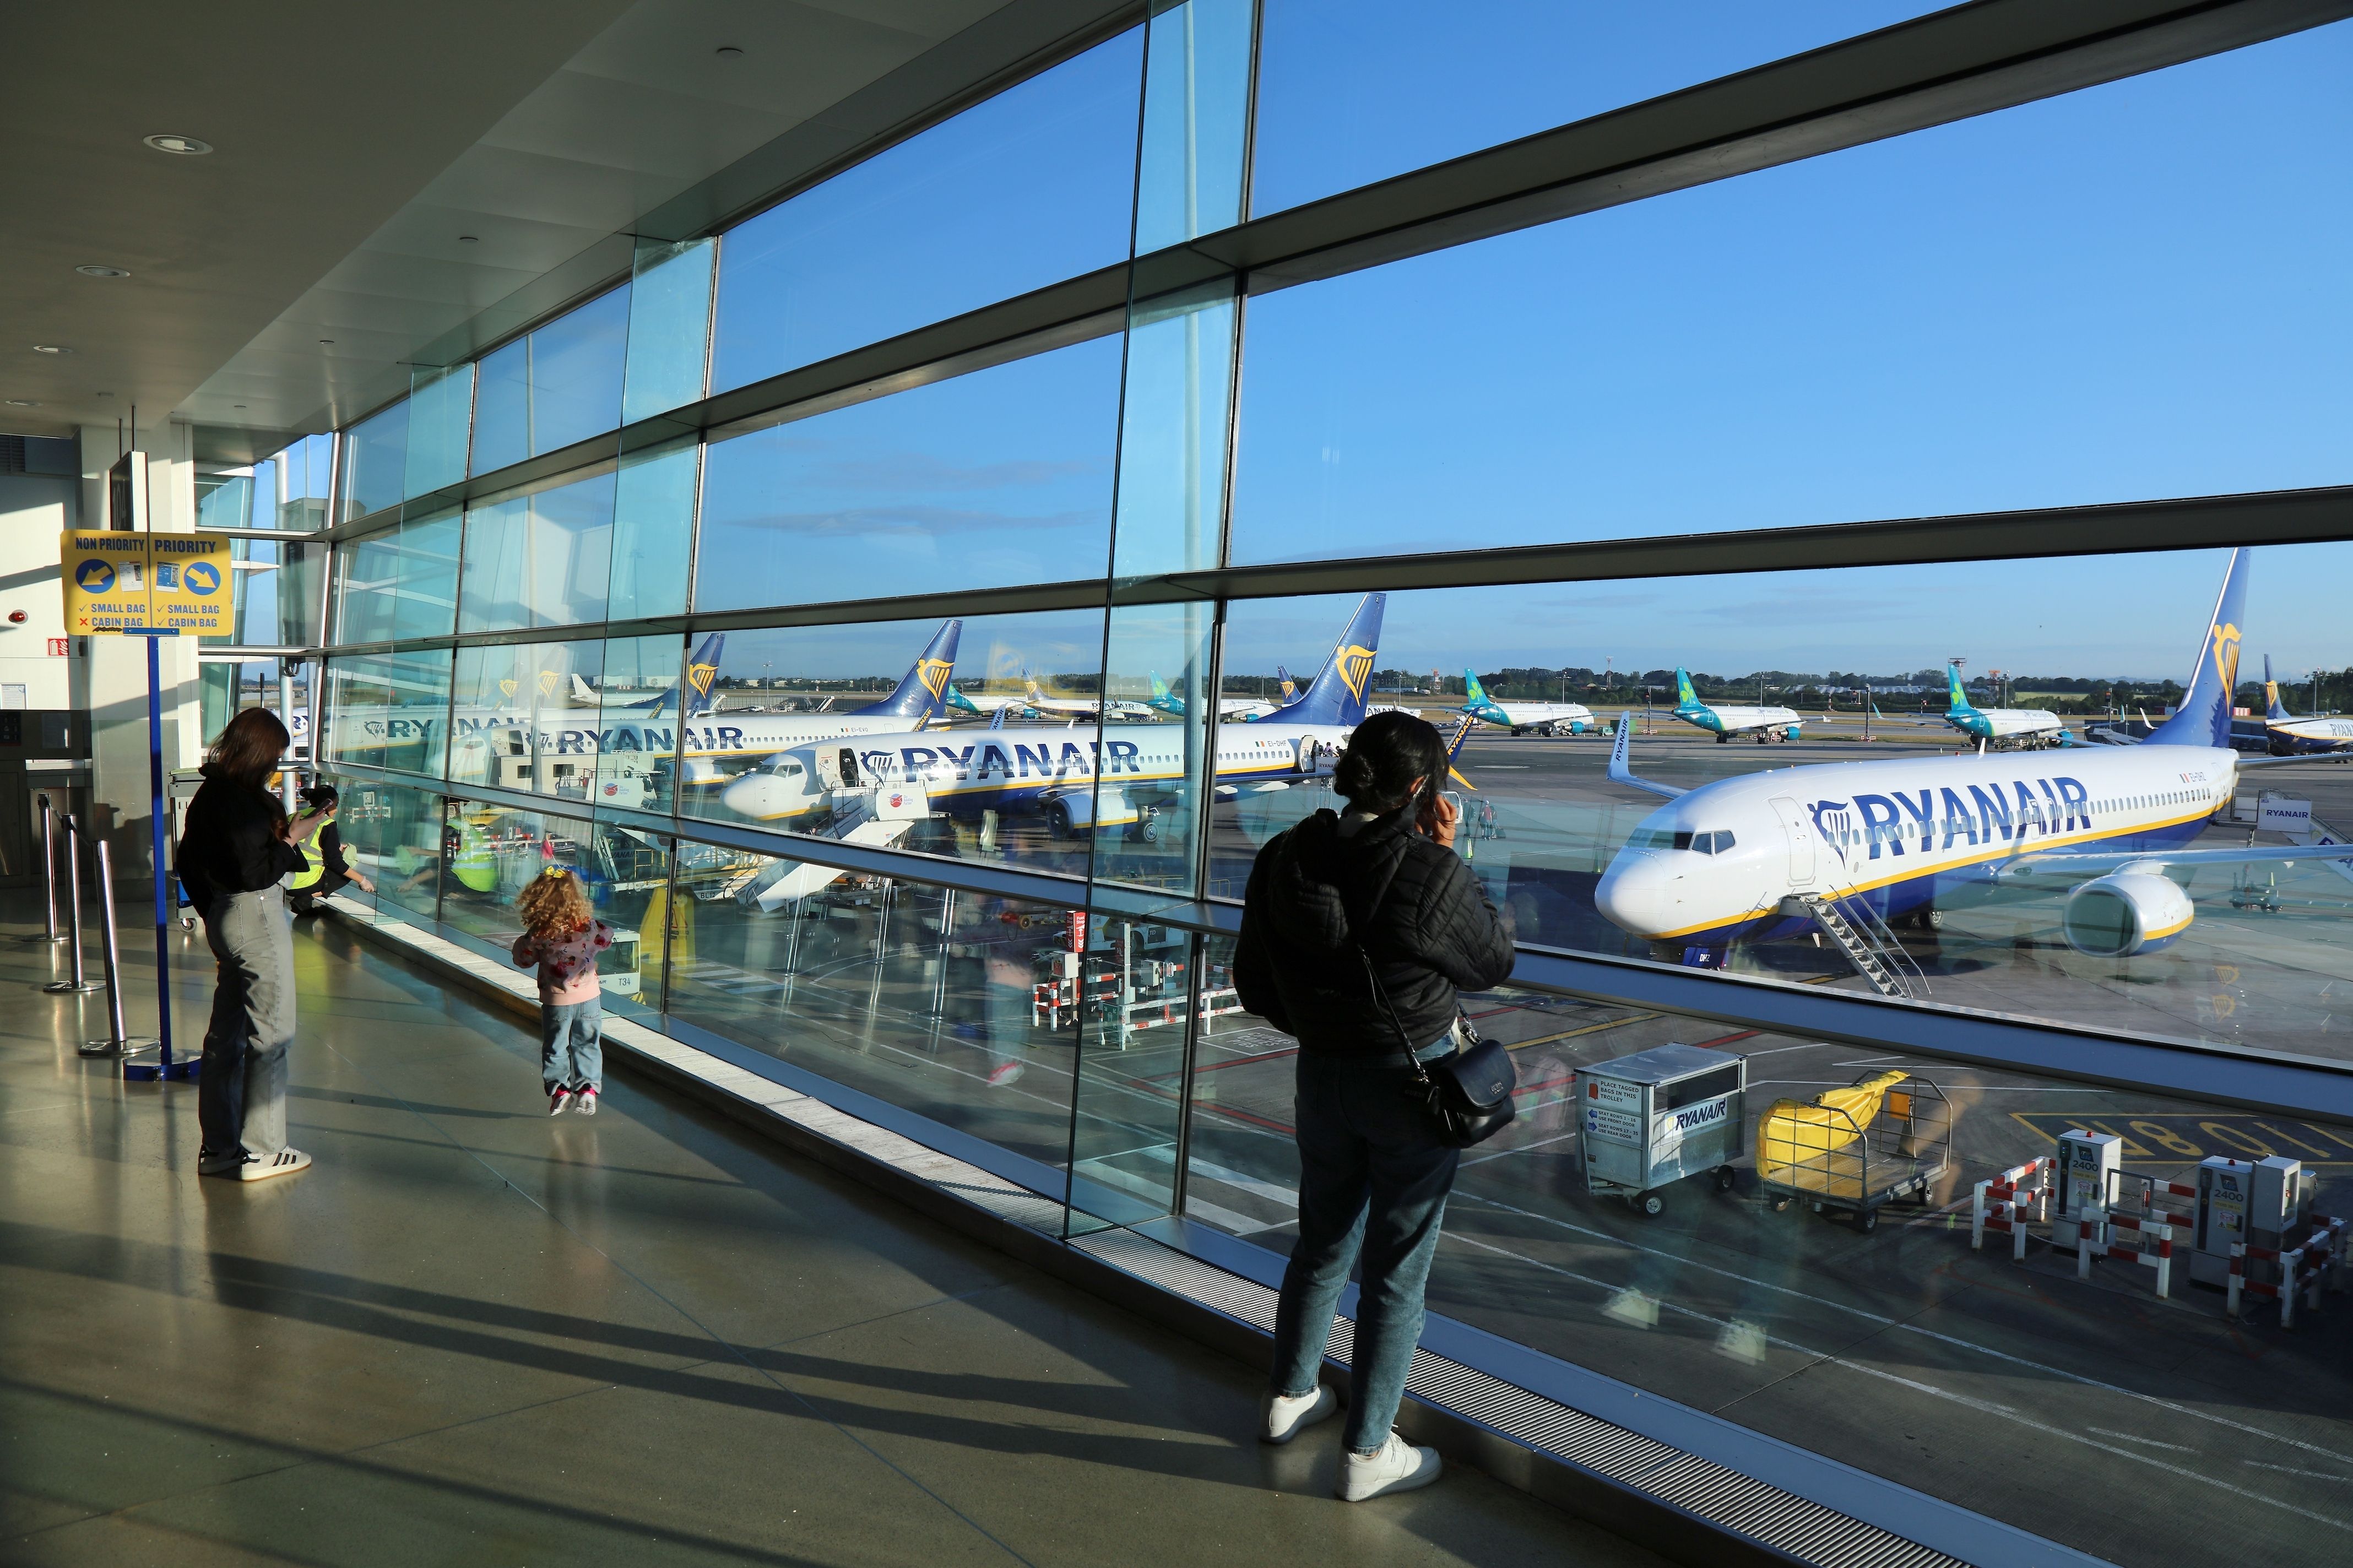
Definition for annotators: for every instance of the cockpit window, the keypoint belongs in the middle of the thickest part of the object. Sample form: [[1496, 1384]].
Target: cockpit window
[[1715, 842]]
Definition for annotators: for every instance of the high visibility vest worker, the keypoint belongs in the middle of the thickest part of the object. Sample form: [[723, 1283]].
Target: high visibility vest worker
[[311, 876]]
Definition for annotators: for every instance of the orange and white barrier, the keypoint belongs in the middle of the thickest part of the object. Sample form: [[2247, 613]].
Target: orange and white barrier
[[2158, 1226], [2000, 1203], [2303, 1270]]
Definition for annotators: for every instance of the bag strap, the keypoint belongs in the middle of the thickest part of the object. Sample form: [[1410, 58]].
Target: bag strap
[[1420, 1073]]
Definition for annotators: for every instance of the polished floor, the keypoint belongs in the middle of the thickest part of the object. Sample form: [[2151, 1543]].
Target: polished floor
[[471, 1334]]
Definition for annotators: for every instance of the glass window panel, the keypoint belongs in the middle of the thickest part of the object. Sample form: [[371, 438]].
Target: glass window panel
[[492, 853], [653, 532], [226, 498], [440, 411], [400, 583], [303, 476], [376, 462], [923, 998], [1196, 122], [1171, 467], [526, 716], [2119, 310], [1351, 92], [785, 703], [273, 593], [1900, 1350], [669, 327], [576, 362], [1000, 477], [389, 710], [2229, 950], [1031, 186], [502, 408], [1154, 737], [636, 722], [539, 559], [393, 834]]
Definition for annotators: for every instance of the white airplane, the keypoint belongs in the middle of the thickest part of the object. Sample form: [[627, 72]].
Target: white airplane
[[1755, 857], [1238, 709], [2000, 728], [2290, 735], [1521, 718], [1725, 720], [1079, 784]]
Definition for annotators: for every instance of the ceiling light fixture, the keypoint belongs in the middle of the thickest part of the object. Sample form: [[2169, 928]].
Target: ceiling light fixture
[[324, 342], [469, 239], [22, 403], [730, 52], [186, 146], [237, 405], [92, 270], [50, 349]]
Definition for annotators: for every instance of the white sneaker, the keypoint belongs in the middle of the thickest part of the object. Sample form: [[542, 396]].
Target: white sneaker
[[285, 1162], [1284, 1416], [1396, 1465]]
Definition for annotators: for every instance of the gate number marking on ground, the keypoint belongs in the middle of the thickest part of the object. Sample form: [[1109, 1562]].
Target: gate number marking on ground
[[2191, 1136]]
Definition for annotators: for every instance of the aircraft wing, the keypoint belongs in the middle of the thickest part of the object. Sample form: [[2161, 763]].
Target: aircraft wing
[[2033, 865], [1620, 773]]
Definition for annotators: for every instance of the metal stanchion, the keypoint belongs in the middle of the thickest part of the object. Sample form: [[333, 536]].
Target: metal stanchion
[[49, 932], [116, 1043], [80, 982]]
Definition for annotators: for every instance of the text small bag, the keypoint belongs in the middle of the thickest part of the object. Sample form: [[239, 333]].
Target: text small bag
[[1467, 1096]]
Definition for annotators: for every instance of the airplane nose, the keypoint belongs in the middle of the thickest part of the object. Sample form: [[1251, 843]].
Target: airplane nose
[[759, 795], [1634, 894]]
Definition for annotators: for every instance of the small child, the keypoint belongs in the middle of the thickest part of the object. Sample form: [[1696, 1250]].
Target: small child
[[562, 935]]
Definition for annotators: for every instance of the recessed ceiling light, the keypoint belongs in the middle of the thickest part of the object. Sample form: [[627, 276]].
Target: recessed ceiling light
[[237, 405], [94, 271], [187, 146], [326, 341], [730, 52], [101, 395], [469, 239], [22, 403], [50, 349]]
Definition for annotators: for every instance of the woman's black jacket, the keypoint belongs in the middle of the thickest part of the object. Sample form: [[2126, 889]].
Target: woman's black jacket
[[229, 844], [1313, 897]]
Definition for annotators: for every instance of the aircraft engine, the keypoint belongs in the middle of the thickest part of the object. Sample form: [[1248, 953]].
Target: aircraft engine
[[2124, 913]]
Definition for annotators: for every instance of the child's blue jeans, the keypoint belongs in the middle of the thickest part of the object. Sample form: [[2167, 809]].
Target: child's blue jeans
[[572, 1045]]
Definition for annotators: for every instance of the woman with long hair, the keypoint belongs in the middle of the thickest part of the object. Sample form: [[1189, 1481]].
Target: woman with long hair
[[1358, 928], [236, 852]]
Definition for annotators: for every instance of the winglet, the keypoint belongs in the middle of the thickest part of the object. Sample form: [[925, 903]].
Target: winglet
[[1620, 773], [996, 720]]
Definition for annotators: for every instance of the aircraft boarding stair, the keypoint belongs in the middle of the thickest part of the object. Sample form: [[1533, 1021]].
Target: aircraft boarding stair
[[1870, 946]]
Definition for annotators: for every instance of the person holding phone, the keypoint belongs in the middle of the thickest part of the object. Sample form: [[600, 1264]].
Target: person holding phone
[[1379, 884], [321, 843], [237, 853]]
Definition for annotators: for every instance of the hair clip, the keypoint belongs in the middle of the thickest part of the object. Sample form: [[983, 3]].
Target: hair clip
[[553, 871]]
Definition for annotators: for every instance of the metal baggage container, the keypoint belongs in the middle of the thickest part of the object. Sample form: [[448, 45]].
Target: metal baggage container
[[1657, 1116]]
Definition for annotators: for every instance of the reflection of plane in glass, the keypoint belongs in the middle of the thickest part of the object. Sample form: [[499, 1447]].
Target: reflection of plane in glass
[[2289, 735], [1239, 709], [1725, 721], [1077, 782], [1849, 847], [1521, 718]]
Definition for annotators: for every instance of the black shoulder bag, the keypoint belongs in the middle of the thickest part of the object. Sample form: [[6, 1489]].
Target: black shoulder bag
[[1467, 1098]]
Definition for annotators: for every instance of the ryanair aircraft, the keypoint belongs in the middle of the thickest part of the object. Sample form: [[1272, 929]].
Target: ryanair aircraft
[[1725, 721], [1079, 782], [2289, 735], [1752, 858], [1519, 717]]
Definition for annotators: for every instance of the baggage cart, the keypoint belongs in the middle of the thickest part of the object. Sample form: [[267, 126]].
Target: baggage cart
[[1654, 1118], [1851, 1151]]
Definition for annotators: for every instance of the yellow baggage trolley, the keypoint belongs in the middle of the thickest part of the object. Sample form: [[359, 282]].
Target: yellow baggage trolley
[[1851, 1151]]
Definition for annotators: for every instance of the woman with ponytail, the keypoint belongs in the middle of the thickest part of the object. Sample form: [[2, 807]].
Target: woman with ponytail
[[1342, 898]]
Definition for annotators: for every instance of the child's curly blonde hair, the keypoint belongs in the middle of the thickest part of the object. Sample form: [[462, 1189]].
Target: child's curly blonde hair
[[556, 904]]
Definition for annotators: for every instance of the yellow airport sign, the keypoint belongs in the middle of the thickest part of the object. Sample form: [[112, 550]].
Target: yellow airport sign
[[145, 583]]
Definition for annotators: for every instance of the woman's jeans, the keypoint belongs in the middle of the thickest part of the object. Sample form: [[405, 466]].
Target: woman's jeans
[[572, 1045], [1372, 1178], [241, 1088]]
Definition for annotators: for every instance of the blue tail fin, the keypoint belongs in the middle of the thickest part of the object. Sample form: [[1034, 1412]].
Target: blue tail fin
[[702, 670], [923, 690], [1164, 700], [1288, 687], [2204, 719], [2277, 710], [1337, 696]]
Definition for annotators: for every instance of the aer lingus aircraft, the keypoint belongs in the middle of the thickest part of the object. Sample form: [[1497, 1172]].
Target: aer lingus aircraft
[[2025, 729], [1757, 857], [1241, 710], [1726, 720], [1077, 780], [1521, 718]]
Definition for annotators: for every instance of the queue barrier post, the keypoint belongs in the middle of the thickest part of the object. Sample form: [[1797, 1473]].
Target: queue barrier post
[[49, 932], [118, 1042], [79, 982]]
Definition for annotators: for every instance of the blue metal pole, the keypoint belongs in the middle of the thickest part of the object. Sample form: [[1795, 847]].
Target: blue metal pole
[[157, 823]]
